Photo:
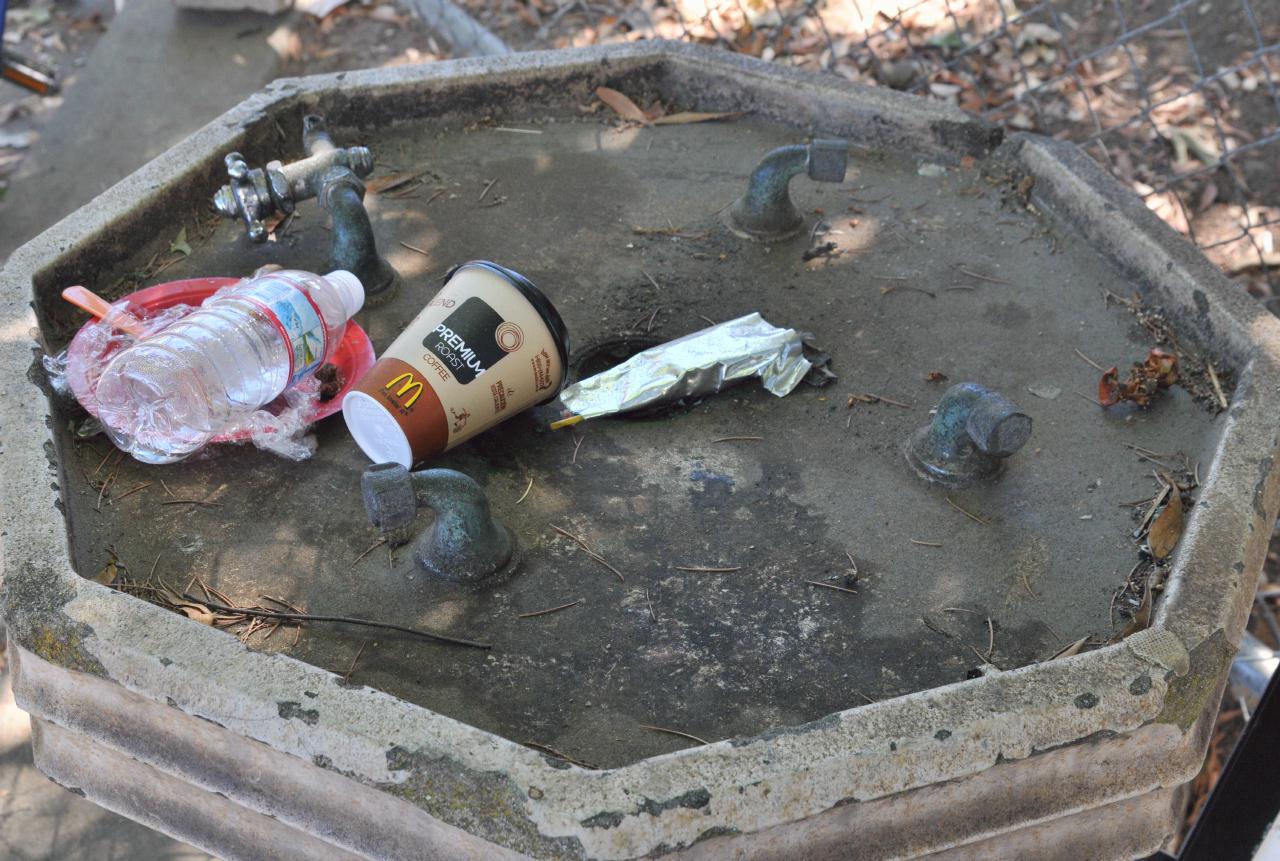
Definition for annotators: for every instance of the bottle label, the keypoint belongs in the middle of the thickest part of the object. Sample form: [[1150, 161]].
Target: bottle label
[[297, 319]]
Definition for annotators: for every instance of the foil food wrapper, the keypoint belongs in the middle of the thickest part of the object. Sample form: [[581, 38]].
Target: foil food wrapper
[[701, 363]]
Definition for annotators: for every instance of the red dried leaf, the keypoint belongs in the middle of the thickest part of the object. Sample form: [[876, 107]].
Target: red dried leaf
[[1108, 388]]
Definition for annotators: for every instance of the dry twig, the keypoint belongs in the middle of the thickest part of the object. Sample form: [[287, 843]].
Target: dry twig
[[689, 736]]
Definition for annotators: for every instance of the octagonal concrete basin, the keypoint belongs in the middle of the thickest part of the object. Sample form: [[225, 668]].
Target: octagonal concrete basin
[[924, 713]]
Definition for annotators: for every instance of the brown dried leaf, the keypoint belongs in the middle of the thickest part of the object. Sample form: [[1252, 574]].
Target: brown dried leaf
[[1166, 529], [622, 105], [1108, 388], [655, 110], [379, 184], [935, 377], [107, 575], [198, 612], [686, 117], [1073, 649]]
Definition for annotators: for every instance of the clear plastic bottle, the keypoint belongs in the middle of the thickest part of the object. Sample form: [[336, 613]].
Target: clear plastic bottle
[[168, 395]]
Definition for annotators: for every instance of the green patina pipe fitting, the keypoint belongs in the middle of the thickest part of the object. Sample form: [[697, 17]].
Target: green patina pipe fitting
[[765, 211], [974, 430], [463, 543]]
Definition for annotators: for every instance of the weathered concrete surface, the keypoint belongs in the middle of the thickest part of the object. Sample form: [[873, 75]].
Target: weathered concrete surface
[[42, 821], [1143, 698], [718, 655]]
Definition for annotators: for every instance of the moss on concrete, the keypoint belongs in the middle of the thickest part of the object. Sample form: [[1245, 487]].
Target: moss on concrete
[[1188, 695]]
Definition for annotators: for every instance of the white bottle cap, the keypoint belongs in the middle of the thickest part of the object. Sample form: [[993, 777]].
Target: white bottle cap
[[349, 288]]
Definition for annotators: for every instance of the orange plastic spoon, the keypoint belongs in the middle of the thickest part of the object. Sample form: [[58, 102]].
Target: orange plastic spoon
[[87, 300]]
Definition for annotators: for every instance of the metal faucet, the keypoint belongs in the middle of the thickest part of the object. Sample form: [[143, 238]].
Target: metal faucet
[[463, 543], [331, 174], [972, 433], [765, 212]]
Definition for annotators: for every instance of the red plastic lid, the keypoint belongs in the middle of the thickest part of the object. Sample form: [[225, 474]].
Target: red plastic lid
[[353, 357]]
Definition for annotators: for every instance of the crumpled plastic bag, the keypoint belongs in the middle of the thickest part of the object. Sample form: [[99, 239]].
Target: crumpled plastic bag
[[285, 433]]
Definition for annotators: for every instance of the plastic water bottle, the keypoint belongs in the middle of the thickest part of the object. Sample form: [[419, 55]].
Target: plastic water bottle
[[167, 396]]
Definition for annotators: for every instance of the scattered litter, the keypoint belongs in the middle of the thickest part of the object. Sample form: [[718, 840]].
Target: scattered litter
[[425, 394], [931, 169], [106, 359], [1044, 390], [698, 364]]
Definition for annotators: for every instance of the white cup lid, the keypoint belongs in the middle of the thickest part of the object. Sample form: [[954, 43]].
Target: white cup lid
[[375, 430]]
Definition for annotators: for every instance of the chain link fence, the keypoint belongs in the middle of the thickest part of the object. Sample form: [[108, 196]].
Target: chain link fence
[[1178, 99]]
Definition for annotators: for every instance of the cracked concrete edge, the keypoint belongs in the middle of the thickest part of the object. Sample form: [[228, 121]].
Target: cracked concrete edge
[[503, 789], [808, 769], [209, 759]]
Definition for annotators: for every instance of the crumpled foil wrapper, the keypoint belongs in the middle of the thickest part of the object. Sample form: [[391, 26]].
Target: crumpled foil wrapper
[[701, 363]]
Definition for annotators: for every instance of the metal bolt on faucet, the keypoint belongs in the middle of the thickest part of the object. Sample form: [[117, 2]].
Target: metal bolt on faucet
[[462, 544], [332, 175], [765, 211], [974, 430]]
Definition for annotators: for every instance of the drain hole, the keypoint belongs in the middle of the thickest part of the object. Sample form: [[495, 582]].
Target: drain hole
[[602, 355]]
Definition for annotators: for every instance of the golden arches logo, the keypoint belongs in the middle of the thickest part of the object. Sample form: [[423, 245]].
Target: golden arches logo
[[410, 384]]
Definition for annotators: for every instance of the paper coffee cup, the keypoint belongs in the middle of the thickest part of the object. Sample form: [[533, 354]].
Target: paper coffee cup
[[487, 347]]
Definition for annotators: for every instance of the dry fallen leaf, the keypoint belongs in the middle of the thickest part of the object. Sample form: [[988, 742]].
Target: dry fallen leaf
[[1166, 529], [1109, 388], [197, 612], [180, 245], [685, 117], [1158, 371], [622, 105], [385, 183], [935, 377], [107, 575], [1073, 649]]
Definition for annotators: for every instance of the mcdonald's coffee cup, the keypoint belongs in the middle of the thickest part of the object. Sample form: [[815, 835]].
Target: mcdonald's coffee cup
[[487, 347]]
